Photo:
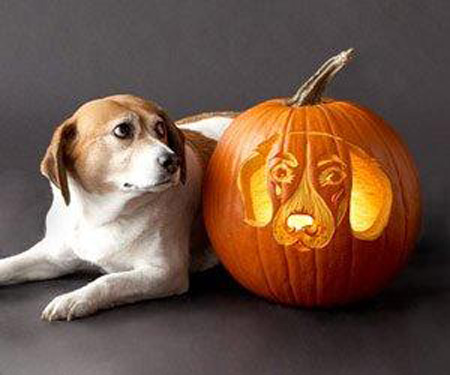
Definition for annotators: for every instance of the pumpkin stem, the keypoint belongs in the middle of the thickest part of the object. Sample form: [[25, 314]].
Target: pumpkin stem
[[311, 91]]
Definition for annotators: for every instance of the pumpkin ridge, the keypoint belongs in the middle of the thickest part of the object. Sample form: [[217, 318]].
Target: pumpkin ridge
[[298, 254], [353, 252], [238, 267], [328, 254], [257, 230], [351, 121], [395, 166], [318, 109], [327, 113], [355, 130], [312, 293], [317, 252], [285, 255], [408, 163], [314, 251], [264, 112]]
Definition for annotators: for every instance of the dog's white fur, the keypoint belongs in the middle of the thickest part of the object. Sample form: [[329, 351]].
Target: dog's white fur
[[140, 238]]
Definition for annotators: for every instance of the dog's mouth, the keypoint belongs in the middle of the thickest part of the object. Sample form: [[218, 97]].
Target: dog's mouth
[[159, 186]]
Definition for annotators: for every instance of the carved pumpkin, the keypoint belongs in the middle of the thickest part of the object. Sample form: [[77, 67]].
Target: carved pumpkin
[[312, 201]]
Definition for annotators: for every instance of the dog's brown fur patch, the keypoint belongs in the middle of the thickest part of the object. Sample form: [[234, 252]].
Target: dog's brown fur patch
[[202, 145]]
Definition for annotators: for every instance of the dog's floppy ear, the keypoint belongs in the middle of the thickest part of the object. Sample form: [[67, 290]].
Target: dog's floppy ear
[[371, 197], [54, 164], [253, 185], [175, 140]]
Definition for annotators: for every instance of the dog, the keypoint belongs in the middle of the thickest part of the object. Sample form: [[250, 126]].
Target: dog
[[126, 183]]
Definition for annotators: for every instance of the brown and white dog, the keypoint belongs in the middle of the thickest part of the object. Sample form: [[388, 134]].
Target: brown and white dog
[[126, 185]]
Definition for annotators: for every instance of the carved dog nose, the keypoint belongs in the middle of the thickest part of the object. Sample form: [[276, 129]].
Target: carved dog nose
[[301, 222], [169, 161]]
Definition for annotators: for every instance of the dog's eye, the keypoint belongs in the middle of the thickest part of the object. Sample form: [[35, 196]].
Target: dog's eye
[[332, 176], [123, 130], [160, 129]]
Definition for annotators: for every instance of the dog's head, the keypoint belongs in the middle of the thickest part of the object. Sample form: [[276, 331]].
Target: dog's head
[[305, 188], [118, 143]]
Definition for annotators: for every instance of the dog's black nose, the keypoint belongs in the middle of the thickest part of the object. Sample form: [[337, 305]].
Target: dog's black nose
[[169, 161]]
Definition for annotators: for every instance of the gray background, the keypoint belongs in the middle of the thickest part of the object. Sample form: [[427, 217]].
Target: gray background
[[212, 55]]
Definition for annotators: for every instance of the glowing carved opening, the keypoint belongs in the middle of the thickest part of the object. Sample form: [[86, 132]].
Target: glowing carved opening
[[370, 199], [298, 222], [252, 183]]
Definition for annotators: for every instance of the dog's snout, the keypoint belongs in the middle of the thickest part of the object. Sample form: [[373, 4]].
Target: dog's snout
[[169, 161]]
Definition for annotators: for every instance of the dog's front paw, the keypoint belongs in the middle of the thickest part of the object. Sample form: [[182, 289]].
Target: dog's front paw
[[69, 306]]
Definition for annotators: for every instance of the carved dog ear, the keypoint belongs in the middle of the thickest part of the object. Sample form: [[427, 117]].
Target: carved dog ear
[[370, 198], [252, 183], [175, 140], [53, 166]]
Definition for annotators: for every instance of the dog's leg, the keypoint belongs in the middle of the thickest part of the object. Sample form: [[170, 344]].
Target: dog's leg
[[117, 289], [45, 260]]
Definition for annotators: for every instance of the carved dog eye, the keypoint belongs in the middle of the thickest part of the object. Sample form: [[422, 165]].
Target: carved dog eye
[[160, 129], [123, 130], [332, 176], [282, 173]]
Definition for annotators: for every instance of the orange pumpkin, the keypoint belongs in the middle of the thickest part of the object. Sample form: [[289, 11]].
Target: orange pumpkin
[[311, 201]]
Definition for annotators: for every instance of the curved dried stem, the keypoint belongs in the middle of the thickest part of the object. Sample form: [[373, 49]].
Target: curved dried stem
[[311, 91]]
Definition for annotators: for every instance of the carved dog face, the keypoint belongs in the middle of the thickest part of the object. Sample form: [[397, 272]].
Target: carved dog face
[[305, 191]]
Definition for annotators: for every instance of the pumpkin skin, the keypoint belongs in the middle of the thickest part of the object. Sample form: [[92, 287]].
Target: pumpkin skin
[[312, 205]]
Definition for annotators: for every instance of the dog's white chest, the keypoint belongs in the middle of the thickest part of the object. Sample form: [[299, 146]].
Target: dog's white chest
[[106, 247], [115, 246]]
